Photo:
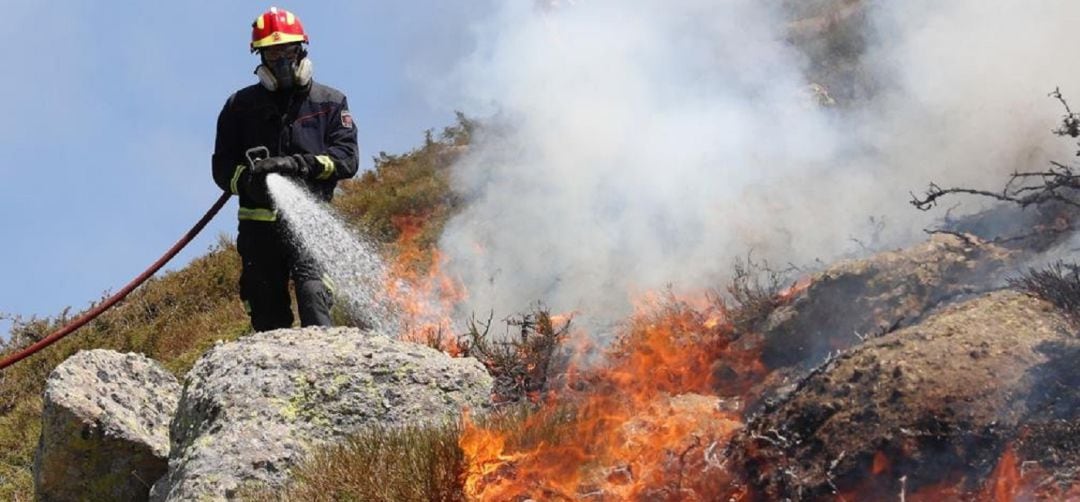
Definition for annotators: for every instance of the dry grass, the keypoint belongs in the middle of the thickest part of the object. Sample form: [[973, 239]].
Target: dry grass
[[422, 463], [380, 465]]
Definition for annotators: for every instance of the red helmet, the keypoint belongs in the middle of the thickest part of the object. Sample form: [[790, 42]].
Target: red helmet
[[275, 27]]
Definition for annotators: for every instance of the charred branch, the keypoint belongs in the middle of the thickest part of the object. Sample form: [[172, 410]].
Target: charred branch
[[1070, 124], [1059, 183], [1037, 233], [960, 235]]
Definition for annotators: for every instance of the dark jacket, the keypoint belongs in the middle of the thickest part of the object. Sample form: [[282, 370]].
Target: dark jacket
[[313, 122]]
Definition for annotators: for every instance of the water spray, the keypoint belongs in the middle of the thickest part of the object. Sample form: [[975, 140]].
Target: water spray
[[353, 265]]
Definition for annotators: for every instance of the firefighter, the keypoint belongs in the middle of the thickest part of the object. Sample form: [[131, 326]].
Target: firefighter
[[310, 136]]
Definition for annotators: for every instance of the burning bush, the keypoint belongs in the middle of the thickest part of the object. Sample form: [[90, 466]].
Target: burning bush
[[521, 364], [645, 424]]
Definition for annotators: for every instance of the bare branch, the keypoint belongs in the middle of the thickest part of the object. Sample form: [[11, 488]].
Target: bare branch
[[1070, 125], [1059, 183]]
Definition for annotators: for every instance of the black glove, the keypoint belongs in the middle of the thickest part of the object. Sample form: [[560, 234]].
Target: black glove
[[290, 165], [253, 186]]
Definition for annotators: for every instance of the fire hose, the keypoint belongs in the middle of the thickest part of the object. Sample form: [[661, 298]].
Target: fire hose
[[114, 299]]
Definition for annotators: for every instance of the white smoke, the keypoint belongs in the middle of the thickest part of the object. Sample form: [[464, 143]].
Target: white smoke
[[637, 144]]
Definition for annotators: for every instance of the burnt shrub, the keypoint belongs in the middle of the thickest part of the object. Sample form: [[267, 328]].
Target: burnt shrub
[[1057, 283], [755, 292], [524, 360]]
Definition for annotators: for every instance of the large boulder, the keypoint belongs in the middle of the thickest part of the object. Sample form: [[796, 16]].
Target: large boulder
[[938, 399], [105, 427], [855, 299], [251, 409]]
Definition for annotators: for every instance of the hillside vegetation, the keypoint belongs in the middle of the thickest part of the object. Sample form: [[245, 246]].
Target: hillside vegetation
[[176, 317]]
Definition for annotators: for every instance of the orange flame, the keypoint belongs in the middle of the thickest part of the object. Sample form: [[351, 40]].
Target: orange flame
[[794, 290], [418, 285], [1008, 482], [881, 464], [650, 414], [1005, 482]]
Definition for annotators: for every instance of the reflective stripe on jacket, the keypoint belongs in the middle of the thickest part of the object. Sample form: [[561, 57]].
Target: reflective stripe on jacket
[[314, 122]]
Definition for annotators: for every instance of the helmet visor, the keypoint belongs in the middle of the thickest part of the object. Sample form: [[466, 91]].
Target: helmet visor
[[275, 53]]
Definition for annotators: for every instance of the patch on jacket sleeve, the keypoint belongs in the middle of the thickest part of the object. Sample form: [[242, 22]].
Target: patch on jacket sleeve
[[346, 119]]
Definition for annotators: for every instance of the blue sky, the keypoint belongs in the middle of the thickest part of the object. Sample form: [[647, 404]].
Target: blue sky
[[110, 112]]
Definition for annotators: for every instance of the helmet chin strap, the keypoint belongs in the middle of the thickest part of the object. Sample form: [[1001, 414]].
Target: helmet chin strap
[[286, 76]]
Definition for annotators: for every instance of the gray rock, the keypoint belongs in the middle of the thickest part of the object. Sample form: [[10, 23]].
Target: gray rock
[[252, 409], [105, 427]]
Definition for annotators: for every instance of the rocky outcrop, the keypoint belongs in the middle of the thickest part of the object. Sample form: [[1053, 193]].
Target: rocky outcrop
[[911, 406], [856, 299], [105, 427], [251, 409]]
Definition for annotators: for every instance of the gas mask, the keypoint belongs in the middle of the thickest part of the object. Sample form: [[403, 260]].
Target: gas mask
[[284, 67]]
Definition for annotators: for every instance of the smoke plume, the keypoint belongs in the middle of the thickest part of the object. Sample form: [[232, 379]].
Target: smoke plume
[[633, 145]]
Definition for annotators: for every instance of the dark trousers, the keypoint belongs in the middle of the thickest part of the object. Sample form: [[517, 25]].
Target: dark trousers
[[270, 258]]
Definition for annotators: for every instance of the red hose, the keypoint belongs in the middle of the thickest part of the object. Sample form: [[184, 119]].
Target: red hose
[[98, 310]]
